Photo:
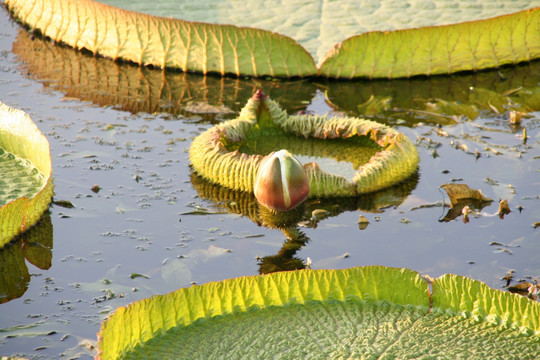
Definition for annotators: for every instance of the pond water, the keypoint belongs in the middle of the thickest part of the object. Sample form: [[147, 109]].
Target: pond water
[[151, 226]]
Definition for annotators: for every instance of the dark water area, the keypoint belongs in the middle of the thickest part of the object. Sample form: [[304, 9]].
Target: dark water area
[[154, 226]]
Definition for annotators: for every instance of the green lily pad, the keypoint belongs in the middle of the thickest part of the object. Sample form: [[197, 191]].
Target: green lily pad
[[26, 187], [318, 27], [468, 46], [19, 178], [229, 154], [366, 312], [165, 42], [226, 49]]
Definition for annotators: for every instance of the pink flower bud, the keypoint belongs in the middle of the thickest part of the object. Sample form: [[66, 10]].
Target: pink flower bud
[[281, 182]]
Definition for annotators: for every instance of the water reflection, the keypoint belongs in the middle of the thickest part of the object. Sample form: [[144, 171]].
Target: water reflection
[[440, 99], [309, 214], [141, 89], [436, 100], [34, 245]]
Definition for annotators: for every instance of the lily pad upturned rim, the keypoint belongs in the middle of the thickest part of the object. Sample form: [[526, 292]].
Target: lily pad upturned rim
[[21, 137], [130, 327], [397, 160]]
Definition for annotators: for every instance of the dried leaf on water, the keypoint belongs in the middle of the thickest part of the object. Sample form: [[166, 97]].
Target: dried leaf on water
[[515, 117], [363, 222], [525, 288], [459, 193], [503, 208], [463, 200]]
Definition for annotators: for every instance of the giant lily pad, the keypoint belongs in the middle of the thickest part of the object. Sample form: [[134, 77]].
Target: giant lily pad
[[229, 154], [26, 187], [472, 46], [164, 42], [318, 27], [367, 312], [226, 49]]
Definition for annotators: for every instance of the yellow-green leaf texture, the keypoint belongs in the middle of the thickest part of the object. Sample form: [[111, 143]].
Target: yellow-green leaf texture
[[473, 46], [319, 25], [365, 312], [226, 49], [164, 42], [212, 158], [24, 146]]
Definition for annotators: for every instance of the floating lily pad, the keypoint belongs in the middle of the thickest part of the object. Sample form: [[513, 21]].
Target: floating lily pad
[[226, 49], [467, 46], [390, 157], [367, 312], [318, 27], [165, 42], [26, 187]]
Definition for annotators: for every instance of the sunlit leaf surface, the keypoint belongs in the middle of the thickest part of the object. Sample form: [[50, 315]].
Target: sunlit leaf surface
[[319, 26], [165, 42], [25, 162], [230, 154], [470, 46], [368, 312], [203, 47]]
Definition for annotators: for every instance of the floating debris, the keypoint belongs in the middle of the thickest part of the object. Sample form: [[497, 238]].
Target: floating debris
[[503, 208], [515, 117], [460, 192], [63, 203], [363, 222], [136, 275]]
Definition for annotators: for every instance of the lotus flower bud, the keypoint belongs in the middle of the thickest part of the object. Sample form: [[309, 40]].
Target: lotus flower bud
[[281, 183]]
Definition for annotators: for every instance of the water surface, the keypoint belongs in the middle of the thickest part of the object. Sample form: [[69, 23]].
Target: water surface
[[128, 130]]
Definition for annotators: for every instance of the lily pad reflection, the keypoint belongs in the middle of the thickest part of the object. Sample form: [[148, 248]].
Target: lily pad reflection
[[245, 204], [36, 247], [141, 89], [437, 100]]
